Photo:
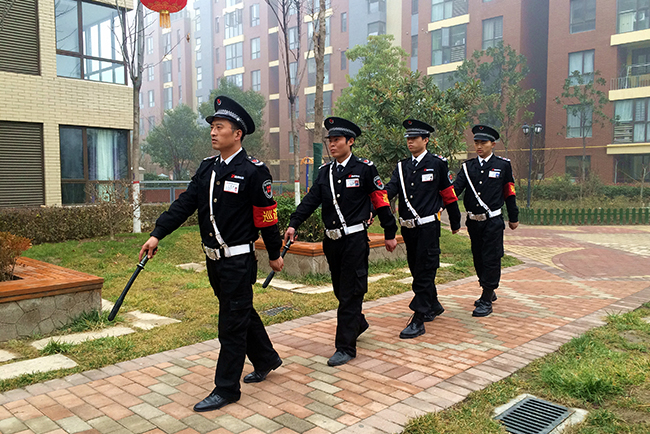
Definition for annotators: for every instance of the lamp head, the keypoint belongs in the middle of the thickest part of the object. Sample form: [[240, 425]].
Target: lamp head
[[526, 129], [538, 128]]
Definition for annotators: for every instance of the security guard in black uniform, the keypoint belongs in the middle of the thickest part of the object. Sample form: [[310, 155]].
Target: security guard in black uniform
[[423, 185], [234, 198], [346, 188], [488, 183]]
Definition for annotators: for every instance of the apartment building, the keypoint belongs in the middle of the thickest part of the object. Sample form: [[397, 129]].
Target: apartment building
[[66, 111]]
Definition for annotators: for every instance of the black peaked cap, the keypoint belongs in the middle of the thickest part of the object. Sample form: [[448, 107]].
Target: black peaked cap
[[341, 127], [415, 128], [484, 132], [227, 108]]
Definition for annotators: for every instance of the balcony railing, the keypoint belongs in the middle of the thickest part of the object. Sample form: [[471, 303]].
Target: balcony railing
[[637, 76]]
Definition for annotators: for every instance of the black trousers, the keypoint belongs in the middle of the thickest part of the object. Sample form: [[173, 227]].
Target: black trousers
[[241, 331], [423, 256], [487, 249], [347, 258]]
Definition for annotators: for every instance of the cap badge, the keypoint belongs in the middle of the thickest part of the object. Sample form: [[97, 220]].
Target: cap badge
[[480, 128], [410, 122], [331, 121], [218, 101]]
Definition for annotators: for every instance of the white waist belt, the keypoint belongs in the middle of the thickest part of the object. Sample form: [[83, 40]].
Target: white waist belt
[[335, 234], [227, 252], [412, 223], [484, 216]]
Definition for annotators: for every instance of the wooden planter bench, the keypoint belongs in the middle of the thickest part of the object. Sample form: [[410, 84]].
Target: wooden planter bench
[[304, 258], [44, 297]]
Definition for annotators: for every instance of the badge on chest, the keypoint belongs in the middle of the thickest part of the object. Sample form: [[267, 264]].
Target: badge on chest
[[494, 173], [352, 182], [231, 187], [427, 177]]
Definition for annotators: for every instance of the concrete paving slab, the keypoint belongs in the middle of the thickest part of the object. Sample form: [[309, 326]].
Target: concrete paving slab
[[192, 266], [107, 305], [282, 284], [6, 356], [376, 277], [77, 338], [40, 364], [314, 289], [148, 321]]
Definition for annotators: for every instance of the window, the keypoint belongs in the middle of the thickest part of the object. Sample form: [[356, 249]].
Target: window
[[232, 2], [198, 56], [448, 45], [20, 53], [234, 24], [150, 45], [199, 73], [573, 166], [578, 121], [583, 63], [150, 74], [237, 79], [296, 106], [216, 25], [179, 65], [292, 9], [632, 121], [344, 22], [255, 48], [310, 30], [376, 28], [293, 38], [327, 103], [255, 14], [199, 84], [293, 72], [197, 23], [88, 37], [445, 80], [180, 93], [216, 54], [167, 43], [152, 102], [311, 70], [291, 146], [256, 80], [314, 5], [178, 36], [414, 46], [633, 15], [629, 168], [90, 156], [376, 6], [141, 129], [414, 7], [168, 99], [310, 106], [167, 71], [492, 32], [583, 15], [197, 46], [443, 9], [344, 61], [234, 55]]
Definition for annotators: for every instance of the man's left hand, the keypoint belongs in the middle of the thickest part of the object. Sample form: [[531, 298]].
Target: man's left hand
[[390, 244], [513, 225], [277, 264]]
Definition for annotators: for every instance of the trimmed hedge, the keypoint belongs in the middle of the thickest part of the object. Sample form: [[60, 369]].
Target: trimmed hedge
[[565, 189]]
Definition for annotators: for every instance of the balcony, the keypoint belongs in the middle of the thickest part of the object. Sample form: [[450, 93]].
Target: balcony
[[633, 27], [635, 84]]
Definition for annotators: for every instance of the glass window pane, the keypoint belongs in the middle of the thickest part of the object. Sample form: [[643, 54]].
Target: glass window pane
[[67, 25], [68, 66], [72, 155], [73, 193], [623, 111], [100, 31], [107, 154]]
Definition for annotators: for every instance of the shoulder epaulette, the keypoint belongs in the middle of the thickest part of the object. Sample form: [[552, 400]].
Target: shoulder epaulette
[[210, 158], [502, 158], [440, 156], [325, 164], [255, 161], [365, 161]]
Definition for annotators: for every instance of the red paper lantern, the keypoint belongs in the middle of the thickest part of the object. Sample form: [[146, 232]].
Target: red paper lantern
[[165, 7]]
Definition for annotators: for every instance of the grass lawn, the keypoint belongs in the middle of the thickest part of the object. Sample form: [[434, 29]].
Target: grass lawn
[[164, 289], [605, 371]]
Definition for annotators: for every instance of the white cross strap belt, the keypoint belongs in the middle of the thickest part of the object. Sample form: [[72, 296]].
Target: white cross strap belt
[[412, 223], [479, 217], [216, 254], [484, 216], [335, 234]]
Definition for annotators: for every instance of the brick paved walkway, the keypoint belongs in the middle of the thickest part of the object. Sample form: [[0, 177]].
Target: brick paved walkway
[[571, 278]]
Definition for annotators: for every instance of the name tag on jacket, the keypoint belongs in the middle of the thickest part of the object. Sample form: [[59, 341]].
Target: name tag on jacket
[[426, 177], [494, 173], [352, 182], [231, 187]]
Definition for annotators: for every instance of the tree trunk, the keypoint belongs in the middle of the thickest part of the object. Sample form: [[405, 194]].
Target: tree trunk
[[319, 58], [135, 72]]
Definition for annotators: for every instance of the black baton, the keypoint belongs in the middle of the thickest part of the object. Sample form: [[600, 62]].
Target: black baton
[[120, 300], [272, 273]]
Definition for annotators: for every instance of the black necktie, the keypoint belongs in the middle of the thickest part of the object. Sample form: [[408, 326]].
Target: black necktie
[[415, 162], [222, 168], [340, 168], [482, 162]]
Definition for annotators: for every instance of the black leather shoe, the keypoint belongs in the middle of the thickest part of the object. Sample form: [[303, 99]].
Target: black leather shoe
[[257, 376], [432, 314], [484, 308], [494, 298], [414, 329], [339, 358], [212, 402]]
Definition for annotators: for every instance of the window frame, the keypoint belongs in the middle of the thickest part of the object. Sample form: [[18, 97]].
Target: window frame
[[254, 12], [256, 54], [234, 60], [487, 43], [575, 27], [589, 76]]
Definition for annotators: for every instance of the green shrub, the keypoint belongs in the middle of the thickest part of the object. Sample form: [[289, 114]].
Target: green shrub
[[11, 247], [312, 230], [564, 188]]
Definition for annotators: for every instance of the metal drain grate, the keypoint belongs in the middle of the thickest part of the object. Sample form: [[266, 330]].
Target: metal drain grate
[[533, 416], [276, 310]]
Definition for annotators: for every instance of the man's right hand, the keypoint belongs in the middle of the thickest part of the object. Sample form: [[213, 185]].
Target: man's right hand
[[149, 247], [290, 234]]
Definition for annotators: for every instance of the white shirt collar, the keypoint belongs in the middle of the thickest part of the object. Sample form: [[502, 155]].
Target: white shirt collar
[[482, 160], [229, 159], [344, 162], [419, 157]]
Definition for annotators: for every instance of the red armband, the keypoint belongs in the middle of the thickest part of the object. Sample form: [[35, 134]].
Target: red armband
[[379, 199], [448, 195], [265, 216], [509, 190]]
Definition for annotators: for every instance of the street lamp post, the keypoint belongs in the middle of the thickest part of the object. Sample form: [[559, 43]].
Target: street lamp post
[[532, 130]]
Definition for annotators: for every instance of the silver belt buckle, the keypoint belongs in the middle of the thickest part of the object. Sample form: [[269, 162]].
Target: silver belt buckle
[[333, 234], [410, 224], [212, 253], [478, 217]]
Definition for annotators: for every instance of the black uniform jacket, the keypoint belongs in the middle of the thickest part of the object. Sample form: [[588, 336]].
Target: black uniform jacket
[[356, 188], [427, 186], [242, 203], [494, 184]]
